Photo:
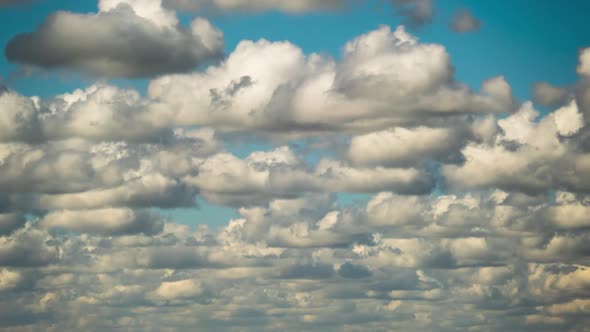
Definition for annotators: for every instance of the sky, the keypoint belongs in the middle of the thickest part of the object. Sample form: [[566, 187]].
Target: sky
[[311, 165]]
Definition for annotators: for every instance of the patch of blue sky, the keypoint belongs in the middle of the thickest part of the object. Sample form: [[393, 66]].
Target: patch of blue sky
[[214, 216]]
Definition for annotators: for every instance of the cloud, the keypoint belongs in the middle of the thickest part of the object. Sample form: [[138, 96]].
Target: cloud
[[10, 222], [534, 157], [100, 113], [178, 290], [104, 221], [351, 271], [584, 64], [308, 271], [385, 78], [18, 118], [131, 39], [403, 147], [464, 21], [255, 6], [147, 191], [548, 95], [27, 248], [397, 273], [226, 179], [417, 12]]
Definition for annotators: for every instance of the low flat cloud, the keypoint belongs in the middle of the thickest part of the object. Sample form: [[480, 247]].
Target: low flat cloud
[[301, 6]]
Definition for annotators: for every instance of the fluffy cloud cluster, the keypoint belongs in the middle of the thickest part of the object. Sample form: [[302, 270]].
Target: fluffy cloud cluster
[[385, 78], [306, 262], [130, 38], [528, 156], [476, 216]]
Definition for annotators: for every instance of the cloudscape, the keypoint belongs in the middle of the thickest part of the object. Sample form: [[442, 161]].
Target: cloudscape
[[310, 165]]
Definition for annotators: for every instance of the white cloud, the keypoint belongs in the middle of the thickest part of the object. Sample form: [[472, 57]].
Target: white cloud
[[402, 146], [178, 290], [568, 120], [584, 64], [529, 155], [385, 78], [103, 221]]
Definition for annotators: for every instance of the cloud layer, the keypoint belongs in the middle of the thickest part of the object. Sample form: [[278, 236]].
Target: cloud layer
[[254, 6], [475, 215]]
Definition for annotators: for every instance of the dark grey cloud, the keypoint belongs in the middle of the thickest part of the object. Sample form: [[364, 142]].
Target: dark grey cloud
[[308, 271], [177, 258], [582, 94], [351, 271], [27, 248], [10, 222], [548, 95], [123, 44]]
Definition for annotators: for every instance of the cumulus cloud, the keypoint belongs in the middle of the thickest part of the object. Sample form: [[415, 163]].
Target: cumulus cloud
[[178, 290], [534, 157], [403, 146], [19, 119], [464, 21], [103, 221], [385, 78], [130, 39], [27, 247], [76, 175], [226, 179]]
